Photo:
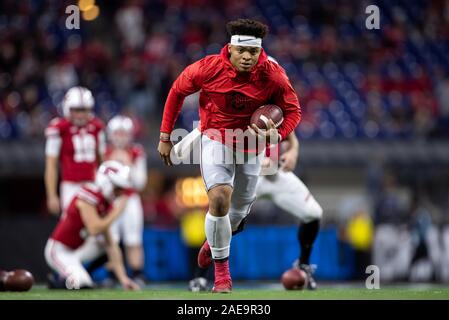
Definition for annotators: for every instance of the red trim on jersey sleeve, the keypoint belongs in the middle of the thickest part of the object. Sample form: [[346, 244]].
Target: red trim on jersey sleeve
[[89, 196], [54, 127], [52, 131]]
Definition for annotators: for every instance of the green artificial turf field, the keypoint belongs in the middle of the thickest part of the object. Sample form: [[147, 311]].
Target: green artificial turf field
[[396, 293]]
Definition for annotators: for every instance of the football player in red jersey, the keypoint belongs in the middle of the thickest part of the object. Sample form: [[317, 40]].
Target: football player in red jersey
[[90, 213], [233, 85], [129, 227], [287, 191], [75, 144]]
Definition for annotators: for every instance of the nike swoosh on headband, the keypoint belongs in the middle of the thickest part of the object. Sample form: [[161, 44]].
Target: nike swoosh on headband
[[244, 40]]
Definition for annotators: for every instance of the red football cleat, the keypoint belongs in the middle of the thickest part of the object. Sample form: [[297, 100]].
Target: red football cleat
[[204, 256], [223, 286], [223, 282]]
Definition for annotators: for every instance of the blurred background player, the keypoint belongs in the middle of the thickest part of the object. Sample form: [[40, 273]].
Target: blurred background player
[[129, 226], [289, 193], [229, 96], [75, 144], [90, 213]]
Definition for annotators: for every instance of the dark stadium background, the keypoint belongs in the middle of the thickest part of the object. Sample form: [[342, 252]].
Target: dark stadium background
[[374, 139]]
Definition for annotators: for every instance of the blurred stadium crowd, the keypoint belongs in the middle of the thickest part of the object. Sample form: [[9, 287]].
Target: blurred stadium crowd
[[352, 83]]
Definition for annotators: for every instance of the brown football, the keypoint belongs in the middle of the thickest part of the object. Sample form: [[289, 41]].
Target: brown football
[[261, 116], [294, 279], [19, 280]]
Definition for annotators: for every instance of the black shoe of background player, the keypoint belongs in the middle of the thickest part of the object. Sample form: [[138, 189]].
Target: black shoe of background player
[[141, 281], [309, 270], [55, 282], [108, 283], [198, 284]]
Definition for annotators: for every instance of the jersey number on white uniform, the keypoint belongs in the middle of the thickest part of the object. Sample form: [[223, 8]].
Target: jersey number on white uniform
[[84, 145]]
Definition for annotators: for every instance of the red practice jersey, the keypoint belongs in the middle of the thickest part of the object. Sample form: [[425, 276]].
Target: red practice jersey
[[71, 230], [228, 98], [80, 148]]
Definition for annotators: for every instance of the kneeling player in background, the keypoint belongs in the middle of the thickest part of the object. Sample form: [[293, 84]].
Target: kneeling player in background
[[90, 213], [288, 192]]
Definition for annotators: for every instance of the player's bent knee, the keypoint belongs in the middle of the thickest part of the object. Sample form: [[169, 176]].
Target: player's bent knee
[[219, 206], [219, 200], [315, 211]]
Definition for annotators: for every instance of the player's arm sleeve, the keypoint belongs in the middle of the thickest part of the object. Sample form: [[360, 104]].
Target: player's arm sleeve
[[52, 150], [53, 142], [287, 100], [139, 173], [188, 82]]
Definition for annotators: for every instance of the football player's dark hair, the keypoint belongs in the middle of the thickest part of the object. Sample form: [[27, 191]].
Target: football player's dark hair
[[247, 27]]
